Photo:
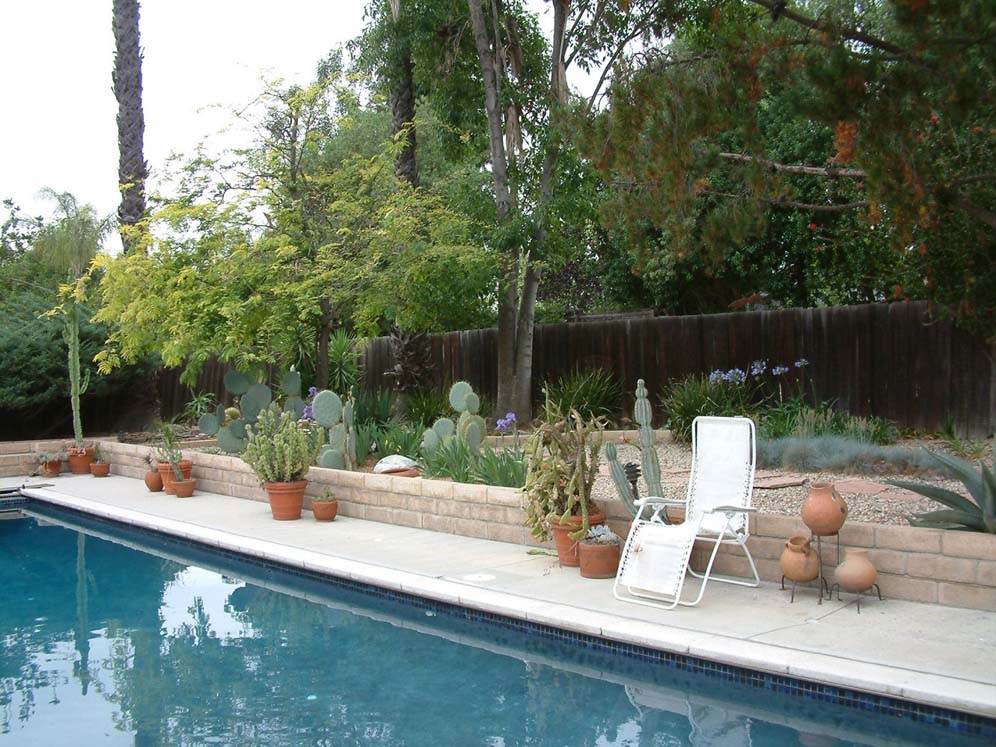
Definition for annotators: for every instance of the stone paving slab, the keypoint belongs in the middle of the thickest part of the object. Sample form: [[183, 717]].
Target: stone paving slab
[[928, 653]]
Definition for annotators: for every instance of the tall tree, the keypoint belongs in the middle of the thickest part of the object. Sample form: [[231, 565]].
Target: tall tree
[[127, 78]]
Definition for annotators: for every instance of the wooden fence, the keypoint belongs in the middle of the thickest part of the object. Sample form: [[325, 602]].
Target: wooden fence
[[891, 360]]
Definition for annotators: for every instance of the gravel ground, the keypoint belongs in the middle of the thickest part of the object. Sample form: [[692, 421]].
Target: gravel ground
[[889, 505]]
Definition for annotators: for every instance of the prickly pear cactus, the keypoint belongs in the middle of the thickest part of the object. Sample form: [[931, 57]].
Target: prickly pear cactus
[[327, 408]]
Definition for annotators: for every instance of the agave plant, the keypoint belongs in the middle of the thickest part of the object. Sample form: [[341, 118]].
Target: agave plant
[[961, 513]]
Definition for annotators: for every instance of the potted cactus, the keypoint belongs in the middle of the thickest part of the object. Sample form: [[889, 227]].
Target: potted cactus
[[50, 463], [153, 480], [183, 485], [563, 466], [99, 466], [598, 553], [325, 507], [281, 452], [169, 453]]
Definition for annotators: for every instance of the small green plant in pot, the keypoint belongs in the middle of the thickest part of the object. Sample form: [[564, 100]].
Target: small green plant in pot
[[563, 466], [168, 453], [325, 507], [599, 553], [183, 486], [50, 463], [281, 453], [99, 466]]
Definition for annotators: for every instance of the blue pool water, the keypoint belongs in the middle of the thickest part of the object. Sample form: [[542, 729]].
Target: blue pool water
[[116, 638]]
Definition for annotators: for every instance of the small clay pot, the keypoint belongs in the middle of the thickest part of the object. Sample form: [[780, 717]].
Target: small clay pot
[[799, 560], [598, 559], [166, 471], [51, 469], [857, 573], [79, 460], [824, 511], [286, 499], [153, 481], [100, 469], [184, 488], [567, 549], [325, 510]]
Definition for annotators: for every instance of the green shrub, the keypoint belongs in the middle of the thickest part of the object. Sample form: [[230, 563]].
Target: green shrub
[[375, 407], [452, 458], [399, 439], [366, 436], [836, 453], [593, 393], [794, 418], [344, 362], [685, 400], [505, 468], [424, 408], [278, 450]]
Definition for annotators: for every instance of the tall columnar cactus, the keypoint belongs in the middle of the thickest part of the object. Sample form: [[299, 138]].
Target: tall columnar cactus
[[77, 387], [651, 468], [643, 415]]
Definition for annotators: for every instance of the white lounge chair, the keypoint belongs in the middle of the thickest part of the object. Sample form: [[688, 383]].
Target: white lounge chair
[[655, 559]]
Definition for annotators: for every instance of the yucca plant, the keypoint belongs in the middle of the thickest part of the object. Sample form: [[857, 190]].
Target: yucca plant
[[961, 513]]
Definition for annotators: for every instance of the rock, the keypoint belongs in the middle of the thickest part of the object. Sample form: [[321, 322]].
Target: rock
[[394, 463], [777, 483]]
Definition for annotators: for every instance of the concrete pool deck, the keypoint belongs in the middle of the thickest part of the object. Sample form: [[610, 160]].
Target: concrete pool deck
[[941, 656]]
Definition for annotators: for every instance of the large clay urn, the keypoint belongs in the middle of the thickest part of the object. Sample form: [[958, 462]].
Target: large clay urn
[[857, 573], [824, 511], [799, 560]]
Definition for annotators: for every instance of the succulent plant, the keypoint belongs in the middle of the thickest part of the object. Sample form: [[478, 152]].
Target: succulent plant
[[649, 462], [229, 425], [337, 418], [961, 513]]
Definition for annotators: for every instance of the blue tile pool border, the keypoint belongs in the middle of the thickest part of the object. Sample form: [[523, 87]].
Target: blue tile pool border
[[959, 722]]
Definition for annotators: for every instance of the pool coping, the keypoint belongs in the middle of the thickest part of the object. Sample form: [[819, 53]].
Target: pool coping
[[972, 698]]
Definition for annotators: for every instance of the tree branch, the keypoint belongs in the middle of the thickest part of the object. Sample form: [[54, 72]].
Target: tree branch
[[828, 171], [814, 207]]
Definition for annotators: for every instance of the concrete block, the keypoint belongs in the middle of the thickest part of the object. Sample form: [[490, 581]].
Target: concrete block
[[405, 518], [378, 513], [470, 493], [969, 545], [376, 482], [911, 539], [857, 534], [504, 496], [780, 527], [904, 587], [986, 573], [942, 568], [470, 528], [968, 595], [438, 523], [437, 488], [890, 561], [506, 533], [406, 485]]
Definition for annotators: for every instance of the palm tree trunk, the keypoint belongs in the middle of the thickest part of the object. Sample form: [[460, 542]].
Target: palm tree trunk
[[127, 78]]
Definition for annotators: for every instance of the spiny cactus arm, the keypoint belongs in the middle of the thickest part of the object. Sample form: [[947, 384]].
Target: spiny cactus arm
[[649, 462], [618, 474], [642, 413]]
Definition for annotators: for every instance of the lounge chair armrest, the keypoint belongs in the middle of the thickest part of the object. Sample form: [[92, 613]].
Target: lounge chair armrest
[[732, 510], [657, 501]]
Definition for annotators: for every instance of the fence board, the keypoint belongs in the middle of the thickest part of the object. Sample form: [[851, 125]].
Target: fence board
[[890, 360]]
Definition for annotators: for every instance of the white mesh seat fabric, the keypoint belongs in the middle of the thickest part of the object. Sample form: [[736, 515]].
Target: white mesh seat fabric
[[655, 558]]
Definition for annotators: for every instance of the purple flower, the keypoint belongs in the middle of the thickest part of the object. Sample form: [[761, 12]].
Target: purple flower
[[758, 367], [502, 424], [715, 376], [801, 363], [779, 370], [308, 413], [312, 392]]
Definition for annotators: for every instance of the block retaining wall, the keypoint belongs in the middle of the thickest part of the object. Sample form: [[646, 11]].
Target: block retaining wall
[[923, 565]]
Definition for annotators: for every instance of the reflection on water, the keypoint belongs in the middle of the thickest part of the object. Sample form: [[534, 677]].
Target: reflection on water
[[104, 644]]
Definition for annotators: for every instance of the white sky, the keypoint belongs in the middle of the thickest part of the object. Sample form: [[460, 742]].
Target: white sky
[[202, 59]]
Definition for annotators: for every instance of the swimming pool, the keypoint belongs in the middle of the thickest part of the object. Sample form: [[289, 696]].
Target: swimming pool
[[117, 637]]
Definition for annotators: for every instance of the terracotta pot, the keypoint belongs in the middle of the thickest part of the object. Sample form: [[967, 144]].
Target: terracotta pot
[[286, 499], [79, 460], [598, 559], [567, 549], [100, 469], [824, 511], [799, 560], [183, 488], [51, 469], [325, 510], [857, 573], [166, 472], [153, 481], [407, 472]]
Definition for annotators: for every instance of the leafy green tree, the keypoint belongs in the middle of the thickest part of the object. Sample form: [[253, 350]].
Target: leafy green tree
[[890, 111]]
